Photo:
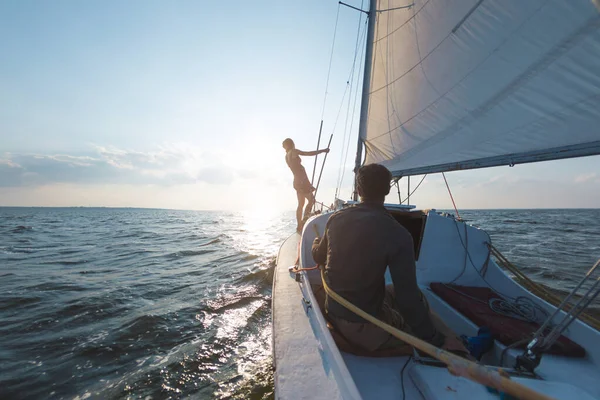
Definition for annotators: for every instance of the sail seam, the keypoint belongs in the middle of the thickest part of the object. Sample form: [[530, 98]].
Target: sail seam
[[542, 64], [405, 22], [389, 65], [547, 117], [466, 76], [444, 40], [421, 59], [591, 148], [466, 17]]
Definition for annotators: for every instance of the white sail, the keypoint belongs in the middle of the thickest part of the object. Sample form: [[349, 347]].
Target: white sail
[[460, 84]]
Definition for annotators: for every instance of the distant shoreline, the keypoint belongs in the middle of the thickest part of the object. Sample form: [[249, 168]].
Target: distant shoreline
[[179, 209]]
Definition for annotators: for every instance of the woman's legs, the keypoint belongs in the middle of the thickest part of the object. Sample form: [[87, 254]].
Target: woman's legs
[[301, 198], [311, 202]]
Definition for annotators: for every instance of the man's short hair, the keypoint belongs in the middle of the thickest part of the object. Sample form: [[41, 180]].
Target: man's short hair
[[373, 181]]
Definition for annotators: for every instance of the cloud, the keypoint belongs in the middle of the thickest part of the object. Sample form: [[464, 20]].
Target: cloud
[[108, 165], [587, 178], [495, 180], [5, 162]]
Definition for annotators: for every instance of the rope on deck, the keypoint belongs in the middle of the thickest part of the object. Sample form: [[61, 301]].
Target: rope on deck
[[539, 290], [456, 365]]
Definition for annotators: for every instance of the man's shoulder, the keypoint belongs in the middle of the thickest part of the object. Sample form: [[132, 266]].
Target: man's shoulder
[[344, 215], [377, 215], [370, 220], [339, 214]]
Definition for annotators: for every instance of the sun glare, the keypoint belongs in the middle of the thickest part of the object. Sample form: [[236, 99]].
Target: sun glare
[[260, 213]]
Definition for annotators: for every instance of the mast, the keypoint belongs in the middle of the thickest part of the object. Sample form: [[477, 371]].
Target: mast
[[364, 104]]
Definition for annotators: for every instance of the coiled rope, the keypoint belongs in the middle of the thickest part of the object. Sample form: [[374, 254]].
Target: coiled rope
[[539, 290], [456, 365]]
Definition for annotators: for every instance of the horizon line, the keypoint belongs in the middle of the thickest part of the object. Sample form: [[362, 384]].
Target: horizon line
[[183, 209]]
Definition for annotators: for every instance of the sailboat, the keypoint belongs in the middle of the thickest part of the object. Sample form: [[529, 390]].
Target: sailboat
[[451, 85]]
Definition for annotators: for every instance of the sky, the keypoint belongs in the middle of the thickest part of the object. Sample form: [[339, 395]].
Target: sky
[[184, 104]]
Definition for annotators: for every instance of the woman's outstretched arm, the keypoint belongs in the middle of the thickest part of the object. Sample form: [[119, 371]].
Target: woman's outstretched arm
[[312, 153]]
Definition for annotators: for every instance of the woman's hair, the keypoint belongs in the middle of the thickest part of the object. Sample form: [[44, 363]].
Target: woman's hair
[[373, 182], [288, 144]]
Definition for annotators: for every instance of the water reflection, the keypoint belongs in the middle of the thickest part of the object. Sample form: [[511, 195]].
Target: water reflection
[[139, 303]]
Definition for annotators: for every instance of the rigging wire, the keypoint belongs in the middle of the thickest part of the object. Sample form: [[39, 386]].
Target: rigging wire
[[330, 61], [467, 254], [516, 305], [337, 17], [536, 288], [398, 188], [348, 131], [340, 109], [350, 84], [344, 141], [415, 189], [352, 119], [451, 197], [347, 82]]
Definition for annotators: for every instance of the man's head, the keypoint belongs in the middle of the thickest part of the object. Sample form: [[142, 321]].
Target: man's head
[[288, 144], [373, 182]]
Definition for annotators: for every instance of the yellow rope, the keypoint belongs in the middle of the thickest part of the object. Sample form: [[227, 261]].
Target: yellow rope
[[540, 290], [457, 365]]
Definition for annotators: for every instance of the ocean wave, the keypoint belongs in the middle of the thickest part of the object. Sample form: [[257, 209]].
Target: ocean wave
[[68, 251], [6, 250], [193, 236], [519, 221], [9, 303], [23, 250], [127, 234], [96, 272], [238, 256], [22, 228], [229, 303], [55, 286], [262, 275], [150, 235], [189, 253], [212, 241], [129, 254], [66, 263], [148, 331], [177, 301]]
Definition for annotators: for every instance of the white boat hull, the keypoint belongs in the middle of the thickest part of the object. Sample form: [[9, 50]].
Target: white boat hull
[[308, 364]]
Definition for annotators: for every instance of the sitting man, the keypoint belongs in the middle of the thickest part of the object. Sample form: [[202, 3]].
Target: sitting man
[[358, 245]]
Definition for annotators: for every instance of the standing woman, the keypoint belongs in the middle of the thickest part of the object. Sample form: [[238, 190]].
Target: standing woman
[[304, 189]]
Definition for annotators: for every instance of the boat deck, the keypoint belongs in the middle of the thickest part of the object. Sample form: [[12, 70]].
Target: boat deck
[[309, 364], [302, 370]]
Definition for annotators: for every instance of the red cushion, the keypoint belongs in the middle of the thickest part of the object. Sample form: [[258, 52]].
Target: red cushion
[[507, 330]]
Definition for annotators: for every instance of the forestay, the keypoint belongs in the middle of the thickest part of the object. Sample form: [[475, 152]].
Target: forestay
[[460, 84]]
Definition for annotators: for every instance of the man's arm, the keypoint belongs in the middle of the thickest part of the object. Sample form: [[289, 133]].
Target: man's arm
[[319, 249], [408, 296], [312, 153]]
